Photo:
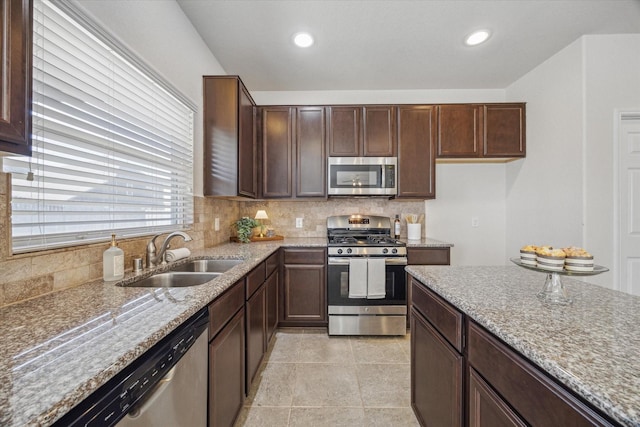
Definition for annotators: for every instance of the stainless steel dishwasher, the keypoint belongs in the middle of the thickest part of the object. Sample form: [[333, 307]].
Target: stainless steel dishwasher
[[166, 386]]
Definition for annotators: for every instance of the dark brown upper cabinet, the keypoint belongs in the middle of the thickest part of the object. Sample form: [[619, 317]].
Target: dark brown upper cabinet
[[230, 148], [311, 152], [481, 131], [459, 130], [344, 130], [16, 22], [416, 151], [504, 130], [277, 151], [361, 131], [294, 157], [379, 136]]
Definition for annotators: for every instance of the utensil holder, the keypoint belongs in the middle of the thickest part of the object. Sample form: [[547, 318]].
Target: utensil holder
[[414, 231]]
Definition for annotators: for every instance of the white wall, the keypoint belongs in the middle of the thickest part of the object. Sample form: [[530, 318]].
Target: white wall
[[544, 192], [160, 34], [612, 82], [562, 194], [377, 97], [464, 191]]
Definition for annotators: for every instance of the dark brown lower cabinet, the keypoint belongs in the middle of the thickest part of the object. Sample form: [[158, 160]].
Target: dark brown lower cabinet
[[255, 315], [461, 374], [261, 313], [538, 399], [436, 376], [424, 256], [486, 407], [226, 373], [429, 256], [304, 288], [271, 297]]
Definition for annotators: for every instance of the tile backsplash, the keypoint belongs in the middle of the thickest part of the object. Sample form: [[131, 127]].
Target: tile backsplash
[[30, 275], [283, 214]]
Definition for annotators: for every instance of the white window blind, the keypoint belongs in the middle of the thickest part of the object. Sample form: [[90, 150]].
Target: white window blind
[[112, 143]]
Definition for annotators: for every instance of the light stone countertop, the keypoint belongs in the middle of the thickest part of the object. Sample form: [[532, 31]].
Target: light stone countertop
[[427, 242], [59, 348], [591, 346]]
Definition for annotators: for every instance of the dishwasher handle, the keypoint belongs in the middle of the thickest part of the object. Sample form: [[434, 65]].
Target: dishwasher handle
[[148, 399]]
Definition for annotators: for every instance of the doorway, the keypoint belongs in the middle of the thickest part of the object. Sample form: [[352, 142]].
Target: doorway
[[627, 275]]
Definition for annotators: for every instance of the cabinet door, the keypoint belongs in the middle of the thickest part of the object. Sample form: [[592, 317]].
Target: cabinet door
[[16, 21], [311, 154], [227, 373], [344, 134], [436, 376], [277, 140], [486, 408], [538, 399], [271, 288], [255, 312], [247, 148], [459, 130], [429, 256], [504, 130], [416, 152], [304, 292], [379, 136]]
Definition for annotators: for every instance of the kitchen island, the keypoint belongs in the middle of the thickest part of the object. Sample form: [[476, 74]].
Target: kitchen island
[[591, 347]]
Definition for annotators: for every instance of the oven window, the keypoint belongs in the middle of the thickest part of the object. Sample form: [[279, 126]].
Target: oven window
[[338, 287]]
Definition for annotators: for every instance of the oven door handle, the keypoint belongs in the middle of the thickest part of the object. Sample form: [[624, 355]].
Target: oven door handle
[[345, 260]]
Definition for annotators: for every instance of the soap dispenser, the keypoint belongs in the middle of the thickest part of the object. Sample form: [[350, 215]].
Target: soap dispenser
[[113, 262]]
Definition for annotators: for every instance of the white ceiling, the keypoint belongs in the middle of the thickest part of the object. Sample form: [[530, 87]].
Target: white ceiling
[[396, 44]]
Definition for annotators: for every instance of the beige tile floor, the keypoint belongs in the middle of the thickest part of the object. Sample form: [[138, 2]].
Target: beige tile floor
[[310, 379]]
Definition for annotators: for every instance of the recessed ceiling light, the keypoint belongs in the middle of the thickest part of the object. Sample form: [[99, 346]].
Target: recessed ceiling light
[[303, 39], [477, 37]]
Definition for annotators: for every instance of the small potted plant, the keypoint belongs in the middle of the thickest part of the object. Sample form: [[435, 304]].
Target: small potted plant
[[244, 228]]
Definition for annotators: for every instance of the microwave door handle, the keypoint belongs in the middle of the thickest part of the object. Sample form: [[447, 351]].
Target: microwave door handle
[[382, 176]]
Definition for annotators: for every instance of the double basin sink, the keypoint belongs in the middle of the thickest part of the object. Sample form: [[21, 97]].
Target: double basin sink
[[192, 273]]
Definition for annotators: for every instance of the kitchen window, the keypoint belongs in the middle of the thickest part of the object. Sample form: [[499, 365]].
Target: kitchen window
[[112, 141]]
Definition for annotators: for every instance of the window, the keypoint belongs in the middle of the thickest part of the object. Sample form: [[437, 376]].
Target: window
[[112, 142]]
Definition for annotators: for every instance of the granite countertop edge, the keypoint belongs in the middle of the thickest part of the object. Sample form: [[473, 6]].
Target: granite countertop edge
[[483, 313]]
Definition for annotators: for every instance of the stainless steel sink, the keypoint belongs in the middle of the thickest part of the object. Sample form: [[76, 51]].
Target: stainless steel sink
[[207, 265], [173, 279]]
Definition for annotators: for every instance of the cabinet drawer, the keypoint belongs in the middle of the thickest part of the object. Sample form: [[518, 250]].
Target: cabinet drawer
[[428, 256], [223, 308], [304, 256], [442, 315], [255, 279], [535, 396], [272, 263]]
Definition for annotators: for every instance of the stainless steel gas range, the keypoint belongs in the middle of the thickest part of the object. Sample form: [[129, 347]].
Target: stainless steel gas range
[[366, 284]]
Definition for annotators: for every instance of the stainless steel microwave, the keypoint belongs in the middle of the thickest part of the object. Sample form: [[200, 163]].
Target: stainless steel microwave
[[362, 176]]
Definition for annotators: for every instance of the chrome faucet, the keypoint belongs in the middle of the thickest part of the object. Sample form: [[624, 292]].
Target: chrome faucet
[[152, 258]]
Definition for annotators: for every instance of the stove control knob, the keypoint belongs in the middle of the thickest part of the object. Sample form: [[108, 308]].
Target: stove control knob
[[385, 250], [349, 250], [394, 251], [339, 251]]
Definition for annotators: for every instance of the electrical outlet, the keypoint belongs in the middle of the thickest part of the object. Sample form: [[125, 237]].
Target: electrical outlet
[[216, 224], [298, 222], [475, 221]]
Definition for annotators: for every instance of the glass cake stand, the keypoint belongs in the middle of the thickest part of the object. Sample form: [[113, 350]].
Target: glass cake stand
[[554, 291]]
